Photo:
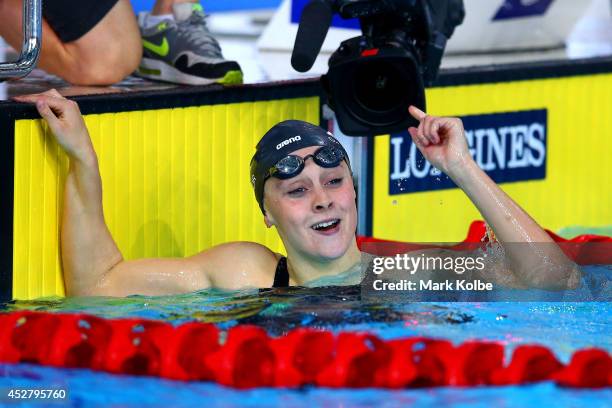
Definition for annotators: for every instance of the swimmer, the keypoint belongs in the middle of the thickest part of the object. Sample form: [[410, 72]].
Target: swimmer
[[303, 184]]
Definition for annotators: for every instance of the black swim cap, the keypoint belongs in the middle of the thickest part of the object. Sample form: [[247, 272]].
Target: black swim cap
[[278, 142]]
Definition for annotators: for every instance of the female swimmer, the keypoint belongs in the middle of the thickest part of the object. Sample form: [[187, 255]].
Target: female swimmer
[[303, 184]]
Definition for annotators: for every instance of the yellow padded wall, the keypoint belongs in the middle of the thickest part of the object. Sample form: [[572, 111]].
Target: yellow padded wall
[[577, 190], [175, 181]]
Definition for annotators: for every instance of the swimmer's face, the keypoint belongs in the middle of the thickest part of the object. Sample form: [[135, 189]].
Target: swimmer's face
[[314, 212]]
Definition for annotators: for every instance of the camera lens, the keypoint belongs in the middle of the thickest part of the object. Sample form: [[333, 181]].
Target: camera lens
[[371, 94], [379, 86]]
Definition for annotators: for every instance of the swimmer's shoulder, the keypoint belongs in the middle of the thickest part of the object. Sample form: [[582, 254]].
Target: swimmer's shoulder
[[238, 264]]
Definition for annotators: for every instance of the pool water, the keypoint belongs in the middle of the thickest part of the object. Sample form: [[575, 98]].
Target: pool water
[[562, 326]]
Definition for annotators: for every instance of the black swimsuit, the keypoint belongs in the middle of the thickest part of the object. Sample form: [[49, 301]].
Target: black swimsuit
[[281, 276]]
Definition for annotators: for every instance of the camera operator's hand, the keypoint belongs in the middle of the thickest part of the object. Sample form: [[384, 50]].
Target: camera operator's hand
[[441, 140], [65, 121]]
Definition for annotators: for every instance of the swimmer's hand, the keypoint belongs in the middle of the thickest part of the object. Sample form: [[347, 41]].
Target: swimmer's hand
[[65, 121], [441, 140]]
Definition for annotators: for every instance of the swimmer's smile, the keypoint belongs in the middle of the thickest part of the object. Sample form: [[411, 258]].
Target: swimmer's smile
[[327, 227]]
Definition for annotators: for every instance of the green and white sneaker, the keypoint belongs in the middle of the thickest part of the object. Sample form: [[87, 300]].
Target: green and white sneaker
[[183, 50]]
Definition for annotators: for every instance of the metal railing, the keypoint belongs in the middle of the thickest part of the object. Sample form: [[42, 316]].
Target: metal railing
[[32, 33]]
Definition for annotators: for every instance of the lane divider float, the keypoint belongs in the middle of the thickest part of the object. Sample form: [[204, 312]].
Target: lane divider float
[[246, 357], [586, 249]]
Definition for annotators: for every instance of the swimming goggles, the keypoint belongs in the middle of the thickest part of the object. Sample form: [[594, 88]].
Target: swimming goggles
[[292, 165]]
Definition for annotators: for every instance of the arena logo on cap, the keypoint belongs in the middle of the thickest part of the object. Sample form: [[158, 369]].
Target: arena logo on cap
[[509, 147], [288, 141]]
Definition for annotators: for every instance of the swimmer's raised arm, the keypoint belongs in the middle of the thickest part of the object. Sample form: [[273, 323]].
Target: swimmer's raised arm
[[88, 250], [443, 143], [92, 262]]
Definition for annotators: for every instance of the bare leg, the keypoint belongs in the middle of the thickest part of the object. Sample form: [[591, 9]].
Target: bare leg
[[165, 6], [110, 51]]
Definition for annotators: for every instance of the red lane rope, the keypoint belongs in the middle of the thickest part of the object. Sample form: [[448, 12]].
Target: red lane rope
[[245, 356], [587, 249]]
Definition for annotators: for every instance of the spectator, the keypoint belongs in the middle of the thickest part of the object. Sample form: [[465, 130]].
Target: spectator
[[99, 43]]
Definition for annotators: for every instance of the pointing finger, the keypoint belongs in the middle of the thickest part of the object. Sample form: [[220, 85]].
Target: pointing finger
[[417, 113]]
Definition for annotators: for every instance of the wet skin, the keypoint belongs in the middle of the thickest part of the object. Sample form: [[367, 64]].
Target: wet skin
[[93, 264], [315, 198]]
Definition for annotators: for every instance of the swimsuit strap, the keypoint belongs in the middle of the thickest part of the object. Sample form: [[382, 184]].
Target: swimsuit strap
[[281, 276]]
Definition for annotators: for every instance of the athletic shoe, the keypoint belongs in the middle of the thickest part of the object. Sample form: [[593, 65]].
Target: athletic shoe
[[183, 50]]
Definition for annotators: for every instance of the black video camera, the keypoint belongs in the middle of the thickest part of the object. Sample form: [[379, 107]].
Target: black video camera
[[373, 78]]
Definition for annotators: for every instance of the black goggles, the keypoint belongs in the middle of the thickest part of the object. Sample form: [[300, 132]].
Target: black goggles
[[292, 165]]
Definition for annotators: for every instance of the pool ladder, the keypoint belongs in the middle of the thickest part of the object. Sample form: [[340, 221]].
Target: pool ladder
[[30, 50]]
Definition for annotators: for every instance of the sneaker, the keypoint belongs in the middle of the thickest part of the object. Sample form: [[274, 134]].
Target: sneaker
[[183, 50]]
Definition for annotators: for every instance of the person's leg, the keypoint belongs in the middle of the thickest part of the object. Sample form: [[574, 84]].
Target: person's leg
[[106, 54], [179, 48]]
